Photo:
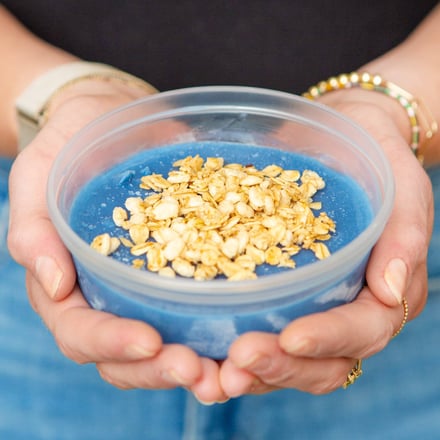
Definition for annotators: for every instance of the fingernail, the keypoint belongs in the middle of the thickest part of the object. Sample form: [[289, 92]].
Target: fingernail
[[202, 402], [257, 362], [205, 403], [174, 377], [301, 347], [136, 351], [395, 277], [49, 275]]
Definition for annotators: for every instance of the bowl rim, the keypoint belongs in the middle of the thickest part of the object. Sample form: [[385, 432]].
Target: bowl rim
[[288, 283]]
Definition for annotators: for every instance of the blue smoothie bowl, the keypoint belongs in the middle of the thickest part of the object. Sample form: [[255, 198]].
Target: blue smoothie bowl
[[243, 125]]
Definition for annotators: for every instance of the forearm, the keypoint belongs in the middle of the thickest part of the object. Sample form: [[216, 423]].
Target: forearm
[[415, 66], [24, 57]]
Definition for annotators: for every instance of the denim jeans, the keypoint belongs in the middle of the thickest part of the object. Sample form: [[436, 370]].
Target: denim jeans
[[44, 396]]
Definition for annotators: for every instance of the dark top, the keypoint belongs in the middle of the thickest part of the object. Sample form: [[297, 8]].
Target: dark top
[[281, 44]]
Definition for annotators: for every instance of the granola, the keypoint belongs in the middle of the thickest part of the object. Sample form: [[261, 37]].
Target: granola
[[208, 218]]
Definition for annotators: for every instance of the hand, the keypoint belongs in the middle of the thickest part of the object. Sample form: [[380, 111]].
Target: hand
[[127, 353], [315, 353]]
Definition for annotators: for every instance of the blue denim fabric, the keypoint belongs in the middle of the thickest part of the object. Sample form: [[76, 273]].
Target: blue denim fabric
[[44, 396], [4, 207]]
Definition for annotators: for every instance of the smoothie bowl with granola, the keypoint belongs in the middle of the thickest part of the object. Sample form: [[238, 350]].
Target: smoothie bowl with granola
[[213, 211]]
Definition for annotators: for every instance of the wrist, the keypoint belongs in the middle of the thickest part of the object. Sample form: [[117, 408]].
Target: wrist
[[46, 92], [423, 127], [389, 108], [91, 89]]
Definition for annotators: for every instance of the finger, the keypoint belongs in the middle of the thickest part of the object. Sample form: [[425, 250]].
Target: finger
[[355, 330], [261, 355], [87, 335], [237, 381], [173, 366], [207, 389], [32, 239], [404, 242], [403, 245]]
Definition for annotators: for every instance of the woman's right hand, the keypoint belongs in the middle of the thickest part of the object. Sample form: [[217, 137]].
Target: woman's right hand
[[127, 353]]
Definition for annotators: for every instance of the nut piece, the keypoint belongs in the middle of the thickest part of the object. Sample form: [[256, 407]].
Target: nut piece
[[273, 255], [208, 219], [139, 233], [183, 267], [138, 263], [104, 244], [119, 216]]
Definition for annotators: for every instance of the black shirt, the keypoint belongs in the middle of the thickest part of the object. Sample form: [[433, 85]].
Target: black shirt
[[280, 44]]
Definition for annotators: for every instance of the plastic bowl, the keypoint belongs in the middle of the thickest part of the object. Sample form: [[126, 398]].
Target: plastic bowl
[[209, 315]]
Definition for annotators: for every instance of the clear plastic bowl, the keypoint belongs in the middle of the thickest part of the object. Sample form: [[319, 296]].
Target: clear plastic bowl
[[209, 315]]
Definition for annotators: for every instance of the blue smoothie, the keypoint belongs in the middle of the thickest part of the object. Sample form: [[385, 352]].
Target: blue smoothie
[[342, 199], [210, 331]]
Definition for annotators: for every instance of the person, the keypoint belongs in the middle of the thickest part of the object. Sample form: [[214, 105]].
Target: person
[[313, 354]]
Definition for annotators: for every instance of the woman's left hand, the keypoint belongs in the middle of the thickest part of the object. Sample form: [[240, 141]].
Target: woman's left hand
[[315, 353]]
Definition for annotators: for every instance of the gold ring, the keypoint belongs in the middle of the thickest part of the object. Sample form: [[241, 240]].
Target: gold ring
[[354, 374], [405, 318]]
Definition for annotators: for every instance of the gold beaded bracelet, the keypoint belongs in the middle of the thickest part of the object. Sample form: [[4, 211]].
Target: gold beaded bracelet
[[413, 107]]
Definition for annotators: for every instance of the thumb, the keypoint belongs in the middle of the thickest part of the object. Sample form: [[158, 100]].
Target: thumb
[[402, 248], [32, 239]]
